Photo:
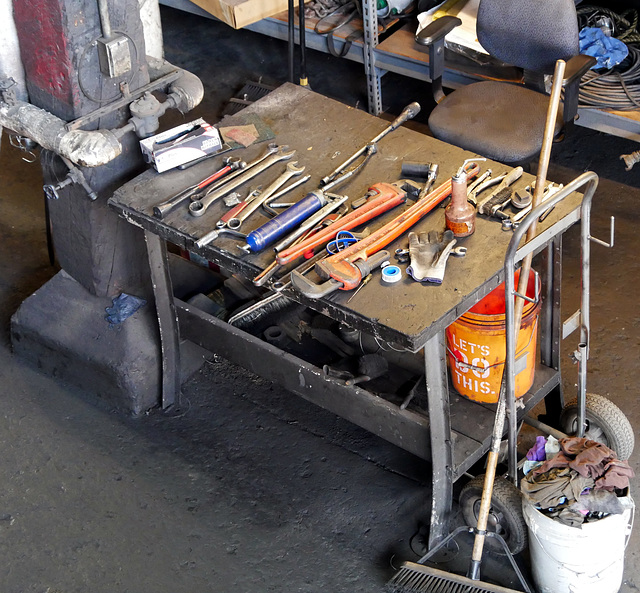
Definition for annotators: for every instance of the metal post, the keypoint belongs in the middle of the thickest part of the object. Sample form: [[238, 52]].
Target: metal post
[[370, 22], [167, 318], [435, 365]]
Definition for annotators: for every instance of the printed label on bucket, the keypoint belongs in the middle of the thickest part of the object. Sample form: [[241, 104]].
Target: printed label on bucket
[[476, 368], [471, 368]]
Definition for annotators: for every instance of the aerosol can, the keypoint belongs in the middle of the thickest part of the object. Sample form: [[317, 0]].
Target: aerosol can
[[460, 215]]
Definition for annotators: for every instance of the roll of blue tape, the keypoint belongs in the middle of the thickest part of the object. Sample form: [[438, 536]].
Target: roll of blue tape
[[391, 274]]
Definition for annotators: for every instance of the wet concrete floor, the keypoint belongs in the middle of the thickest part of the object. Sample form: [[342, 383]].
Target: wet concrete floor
[[248, 488]]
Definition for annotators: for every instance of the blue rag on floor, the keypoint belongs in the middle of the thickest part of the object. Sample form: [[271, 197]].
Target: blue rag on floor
[[124, 305], [609, 51]]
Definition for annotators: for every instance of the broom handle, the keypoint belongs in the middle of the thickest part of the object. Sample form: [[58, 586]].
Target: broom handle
[[498, 427]]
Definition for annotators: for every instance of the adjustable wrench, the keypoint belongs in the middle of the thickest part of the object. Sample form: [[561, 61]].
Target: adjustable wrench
[[199, 207], [291, 170]]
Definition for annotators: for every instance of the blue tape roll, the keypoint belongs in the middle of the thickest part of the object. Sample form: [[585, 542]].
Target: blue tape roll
[[391, 274]]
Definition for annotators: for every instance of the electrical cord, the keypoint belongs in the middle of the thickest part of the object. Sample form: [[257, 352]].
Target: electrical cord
[[619, 87]]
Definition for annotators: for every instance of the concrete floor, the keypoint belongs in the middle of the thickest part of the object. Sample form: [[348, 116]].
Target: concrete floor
[[247, 488]]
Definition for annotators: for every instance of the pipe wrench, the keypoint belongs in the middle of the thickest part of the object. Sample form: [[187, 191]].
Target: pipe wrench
[[346, 269], [381, 197]]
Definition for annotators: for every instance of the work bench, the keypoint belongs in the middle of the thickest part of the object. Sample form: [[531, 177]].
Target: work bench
[[407, 317]]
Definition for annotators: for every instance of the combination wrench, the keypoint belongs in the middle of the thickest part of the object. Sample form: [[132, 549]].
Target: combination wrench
[[199, 207], [230, 164], [239, 207], [292, 170]]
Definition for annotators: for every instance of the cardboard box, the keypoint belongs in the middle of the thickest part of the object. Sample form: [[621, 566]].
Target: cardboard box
[[240, 13], [180, 145]]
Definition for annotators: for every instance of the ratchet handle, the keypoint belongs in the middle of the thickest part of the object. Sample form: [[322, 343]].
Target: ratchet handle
[[161, 210]]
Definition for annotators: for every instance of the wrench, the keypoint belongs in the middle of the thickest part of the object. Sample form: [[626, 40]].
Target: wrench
[[227, 216], [291, 170], [199, 207], [230, 164]]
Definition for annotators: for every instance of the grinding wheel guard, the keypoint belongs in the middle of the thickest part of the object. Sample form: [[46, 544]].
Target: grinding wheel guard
[[344, 270]]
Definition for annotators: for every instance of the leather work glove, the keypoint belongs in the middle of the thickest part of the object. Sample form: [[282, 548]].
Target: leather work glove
[[429, 253]]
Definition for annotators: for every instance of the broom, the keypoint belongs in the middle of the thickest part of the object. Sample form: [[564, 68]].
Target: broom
[[416, 577]]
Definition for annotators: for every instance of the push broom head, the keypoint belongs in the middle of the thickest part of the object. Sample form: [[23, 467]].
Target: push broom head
[[422, 579]]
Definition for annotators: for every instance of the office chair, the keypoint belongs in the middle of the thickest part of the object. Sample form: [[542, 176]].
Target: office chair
[[499, 120]]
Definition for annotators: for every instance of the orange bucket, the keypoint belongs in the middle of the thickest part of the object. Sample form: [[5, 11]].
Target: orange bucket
[[476, 346]]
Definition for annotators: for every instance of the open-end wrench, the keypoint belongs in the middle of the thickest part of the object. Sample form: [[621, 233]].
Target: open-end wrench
[[230, 164], [199, 207], [291, 170]]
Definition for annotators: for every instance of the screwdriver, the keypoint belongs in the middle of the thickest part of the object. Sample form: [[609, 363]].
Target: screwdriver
[[364, 282]]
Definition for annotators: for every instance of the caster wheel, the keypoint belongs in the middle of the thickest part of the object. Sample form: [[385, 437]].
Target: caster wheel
[[505, 516], [606, 423]]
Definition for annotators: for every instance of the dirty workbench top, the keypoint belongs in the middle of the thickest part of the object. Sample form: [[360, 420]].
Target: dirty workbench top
[[324, 133]]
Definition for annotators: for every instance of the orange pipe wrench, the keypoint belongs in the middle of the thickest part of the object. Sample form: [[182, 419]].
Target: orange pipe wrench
[[382, 197], [346, 269]]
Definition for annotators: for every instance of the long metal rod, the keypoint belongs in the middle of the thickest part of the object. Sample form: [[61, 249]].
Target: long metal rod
[[541, 180]]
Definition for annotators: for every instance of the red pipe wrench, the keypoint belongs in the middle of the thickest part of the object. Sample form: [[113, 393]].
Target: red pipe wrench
[[346, 269]]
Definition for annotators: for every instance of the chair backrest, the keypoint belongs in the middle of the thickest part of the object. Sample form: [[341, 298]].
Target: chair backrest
[[530, 34]]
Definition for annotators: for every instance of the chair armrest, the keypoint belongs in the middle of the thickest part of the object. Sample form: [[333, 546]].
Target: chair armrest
[[432, 38], [575, 69], [437, 30]]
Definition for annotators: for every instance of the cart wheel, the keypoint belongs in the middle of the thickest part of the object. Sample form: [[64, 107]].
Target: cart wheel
[[606, 423], [505, 516]]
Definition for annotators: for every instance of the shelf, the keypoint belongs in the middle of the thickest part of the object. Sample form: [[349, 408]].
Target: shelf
[[471, 422], [396, 53]]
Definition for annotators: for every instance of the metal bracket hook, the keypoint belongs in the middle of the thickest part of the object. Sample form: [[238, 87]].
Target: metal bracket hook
[[611, 236]]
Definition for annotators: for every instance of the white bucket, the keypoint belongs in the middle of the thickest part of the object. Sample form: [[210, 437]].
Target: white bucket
[[568, 559]]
